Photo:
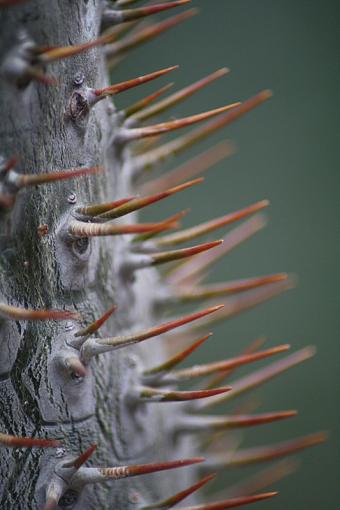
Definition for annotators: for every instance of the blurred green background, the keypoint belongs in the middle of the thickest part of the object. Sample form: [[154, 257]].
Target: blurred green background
[[287, 153]]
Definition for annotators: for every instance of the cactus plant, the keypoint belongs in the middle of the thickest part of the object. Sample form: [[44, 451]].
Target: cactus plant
[[90, 389]]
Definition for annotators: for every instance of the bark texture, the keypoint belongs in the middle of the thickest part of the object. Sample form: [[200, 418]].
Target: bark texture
[[48, 131]]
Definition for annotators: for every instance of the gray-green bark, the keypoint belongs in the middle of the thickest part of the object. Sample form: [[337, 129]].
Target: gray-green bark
[[36, 395]]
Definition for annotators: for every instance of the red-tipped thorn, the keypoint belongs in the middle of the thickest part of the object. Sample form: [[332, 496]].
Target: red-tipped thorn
[[195, 293], [265, 374], [83, 457], [207, 423], [218, 379], [210, 226], [128, 135], [146, 34], [175, 360], [22, 181], [27, 442], [146, 101], [96, 209], [148, 394], [135, 82], [196, 267], [139, 203], [24, 314], [269, 453], [179, 96], [169, 256], [165, 504], [176, 146], [96, 346], [94, 326], [191, 168], [122, 16], [221, 366]]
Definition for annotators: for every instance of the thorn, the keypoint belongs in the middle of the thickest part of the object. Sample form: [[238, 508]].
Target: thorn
[[139, 203], [24, 314], [81, 229], [21, 181], [94, 326], [216, 423], [221, 366], [218, 379], [268, 453], [73, 365], [8, 165], [169, 256], [55, 491], [165, 504], [196, 293], [248, 300], [144, 145], [27, 442], [148, 394], [159, 370], [82, 458], [36, 74], [261, 480], [232, 503], [179, 96], [47, 55], [95, 475], [131, 134], [175, 218], [96, 209], [95, 346], [176, 146], [186, 272], [267, 373], [129, 84], [118, 16], [210, 226], [146, 34], [191, 168], [146, 101]]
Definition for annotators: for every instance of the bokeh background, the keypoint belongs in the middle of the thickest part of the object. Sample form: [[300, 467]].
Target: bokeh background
[[286, 152]]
